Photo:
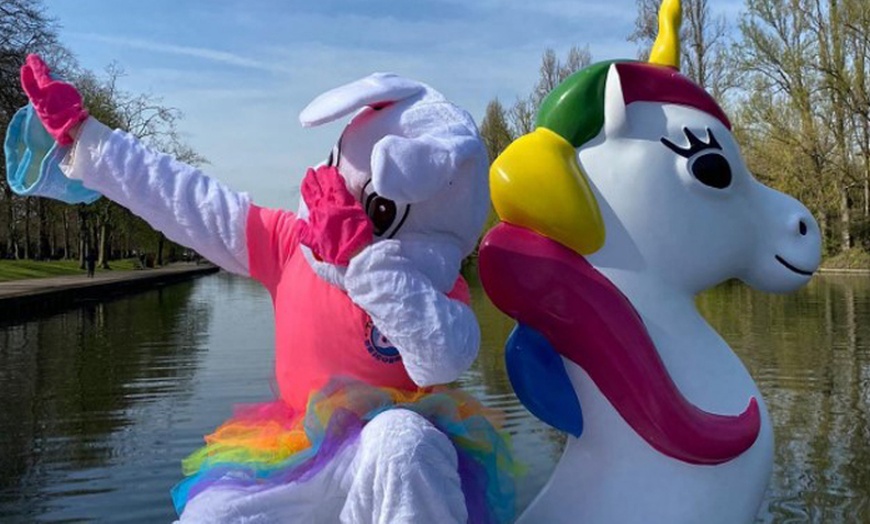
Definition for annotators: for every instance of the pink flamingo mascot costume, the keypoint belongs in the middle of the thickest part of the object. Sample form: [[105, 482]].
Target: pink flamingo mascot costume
[[371, 313]]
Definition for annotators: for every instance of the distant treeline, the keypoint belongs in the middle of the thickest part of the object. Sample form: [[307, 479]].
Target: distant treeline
[[42, 229], [794, 75]]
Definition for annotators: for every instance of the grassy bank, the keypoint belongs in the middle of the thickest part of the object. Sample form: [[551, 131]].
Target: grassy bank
[[852, 259], [22, 269]]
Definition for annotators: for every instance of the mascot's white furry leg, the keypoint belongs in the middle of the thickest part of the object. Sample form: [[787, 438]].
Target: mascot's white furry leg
[[403, 470], [317, 500], [406, 472]]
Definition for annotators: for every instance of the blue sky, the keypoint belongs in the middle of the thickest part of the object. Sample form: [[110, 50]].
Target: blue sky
[[242, 70]]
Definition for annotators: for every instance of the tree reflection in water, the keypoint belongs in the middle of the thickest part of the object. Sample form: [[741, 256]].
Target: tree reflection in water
[[810, 354], [71, 380], [98, 404]]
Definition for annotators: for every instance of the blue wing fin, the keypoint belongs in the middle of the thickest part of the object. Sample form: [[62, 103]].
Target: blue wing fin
[[538, 376]]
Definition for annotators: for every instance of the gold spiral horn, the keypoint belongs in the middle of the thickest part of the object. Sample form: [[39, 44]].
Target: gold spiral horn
[[666, 49]]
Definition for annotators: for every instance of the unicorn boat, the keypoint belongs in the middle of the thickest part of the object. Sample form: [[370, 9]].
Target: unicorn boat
[[629, 199]]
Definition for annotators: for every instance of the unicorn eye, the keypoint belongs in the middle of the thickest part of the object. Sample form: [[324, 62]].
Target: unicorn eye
[[706, 162], [711, 169]]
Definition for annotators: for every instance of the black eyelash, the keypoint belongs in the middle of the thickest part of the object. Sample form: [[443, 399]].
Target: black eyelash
[[696, 145], [335, 154]]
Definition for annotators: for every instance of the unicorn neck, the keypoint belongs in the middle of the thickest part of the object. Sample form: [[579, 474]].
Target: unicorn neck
[[652, 297]]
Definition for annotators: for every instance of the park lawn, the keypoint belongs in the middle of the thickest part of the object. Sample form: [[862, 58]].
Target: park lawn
[[23, 269]]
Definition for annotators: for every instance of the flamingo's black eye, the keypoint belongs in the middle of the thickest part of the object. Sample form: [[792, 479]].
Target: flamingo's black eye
[[387, 217], [711, 169], [381, 211]]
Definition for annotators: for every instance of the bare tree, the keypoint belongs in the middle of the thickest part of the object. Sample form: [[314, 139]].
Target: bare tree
[[494, 129], [142, 115], [24, 28], [805, 62], [704, 42], [551, 73], [32, 227], [577, 59], [522, 116]]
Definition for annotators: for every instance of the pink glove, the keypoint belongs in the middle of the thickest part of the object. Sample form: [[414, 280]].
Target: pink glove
[[57, 103], [337, 227]]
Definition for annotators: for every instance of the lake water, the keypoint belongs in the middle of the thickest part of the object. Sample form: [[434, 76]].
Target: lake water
[[99, 404]]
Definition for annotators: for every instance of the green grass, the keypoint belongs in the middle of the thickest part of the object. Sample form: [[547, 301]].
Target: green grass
[[24, 269]]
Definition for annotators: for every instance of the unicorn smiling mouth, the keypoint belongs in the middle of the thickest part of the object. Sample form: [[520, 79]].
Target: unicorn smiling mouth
[[792, 268]]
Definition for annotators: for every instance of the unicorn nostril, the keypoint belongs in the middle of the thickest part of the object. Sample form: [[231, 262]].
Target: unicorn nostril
[[802, 227]]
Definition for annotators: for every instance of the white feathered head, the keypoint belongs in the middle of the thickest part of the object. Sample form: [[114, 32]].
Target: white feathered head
[[415, 161]]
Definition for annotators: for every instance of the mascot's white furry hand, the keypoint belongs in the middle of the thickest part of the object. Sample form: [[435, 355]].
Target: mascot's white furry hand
[[337, 227], [403, 286]]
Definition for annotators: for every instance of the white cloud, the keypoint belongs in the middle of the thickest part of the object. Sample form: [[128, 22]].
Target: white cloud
[[214, 55], [244, 75]]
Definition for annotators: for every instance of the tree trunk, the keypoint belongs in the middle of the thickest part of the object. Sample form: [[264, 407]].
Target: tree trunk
[[845, 221], [82, 248], [160, 242], [10, 219], [27, 229], [66, 241], [52, 243], [83, 236], [43, 250], [103, 260], [823, 230], [867, 191]]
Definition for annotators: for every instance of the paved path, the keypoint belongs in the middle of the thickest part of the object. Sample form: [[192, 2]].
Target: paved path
[[34, 287]]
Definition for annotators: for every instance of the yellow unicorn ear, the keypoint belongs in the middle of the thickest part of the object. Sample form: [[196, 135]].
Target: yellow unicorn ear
[[666, 49], [537, 183]]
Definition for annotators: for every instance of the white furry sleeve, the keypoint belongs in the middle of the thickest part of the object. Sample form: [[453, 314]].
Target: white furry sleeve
[[438, 337], [187, 206]]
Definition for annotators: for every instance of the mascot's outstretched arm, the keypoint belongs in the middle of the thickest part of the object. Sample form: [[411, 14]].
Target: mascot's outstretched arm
[[189, 207], [179, 200]]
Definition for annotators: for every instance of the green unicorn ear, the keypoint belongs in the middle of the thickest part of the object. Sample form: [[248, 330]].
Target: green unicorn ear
[[575, 109], [537, 182]]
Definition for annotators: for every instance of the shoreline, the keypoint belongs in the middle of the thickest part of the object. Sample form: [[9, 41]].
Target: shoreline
[[24, 296], [844, 271]]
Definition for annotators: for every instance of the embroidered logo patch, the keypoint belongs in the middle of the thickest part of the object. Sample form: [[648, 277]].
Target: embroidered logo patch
[[379, 346]]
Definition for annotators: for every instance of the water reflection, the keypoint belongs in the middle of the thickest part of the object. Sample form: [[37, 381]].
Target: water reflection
[[537, 446], [809, 354], [98, 404]]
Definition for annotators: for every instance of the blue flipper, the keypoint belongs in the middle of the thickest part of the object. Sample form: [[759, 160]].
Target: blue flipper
[[540, 381]]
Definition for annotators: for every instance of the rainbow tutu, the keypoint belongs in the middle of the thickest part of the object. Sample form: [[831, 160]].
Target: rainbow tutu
[[269, 444]]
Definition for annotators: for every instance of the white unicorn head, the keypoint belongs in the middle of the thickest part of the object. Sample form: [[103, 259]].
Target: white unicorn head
[[677, 198]]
